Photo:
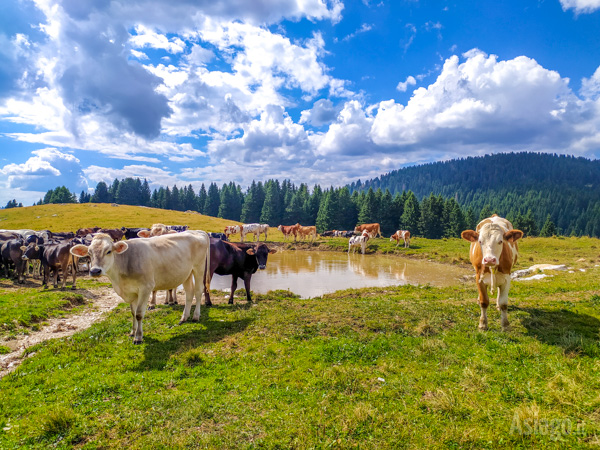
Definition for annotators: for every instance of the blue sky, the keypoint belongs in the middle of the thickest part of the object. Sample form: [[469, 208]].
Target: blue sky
[[316, 91]]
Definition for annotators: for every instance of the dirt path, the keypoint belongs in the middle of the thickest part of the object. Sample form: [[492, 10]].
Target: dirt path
[[100, 301]]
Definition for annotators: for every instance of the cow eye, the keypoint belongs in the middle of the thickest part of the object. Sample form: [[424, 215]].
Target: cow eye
[[108, 252]]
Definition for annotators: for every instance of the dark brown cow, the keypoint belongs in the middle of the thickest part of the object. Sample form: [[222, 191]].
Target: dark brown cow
[[12, 252], [238, 260], [115, 233], [53, 258], [85, 231]]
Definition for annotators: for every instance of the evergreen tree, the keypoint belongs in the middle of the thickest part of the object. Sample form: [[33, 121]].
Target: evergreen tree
[[101, 194], [347, 212], [314, 203], [388, 214], [62, 195], [271, 212], [189, 199], [202, 196], [485, 212], [145, 194], [128, 192], [176, 199], [456, 219], [12, 204], [470, 219], [368, 211], [213, 199], [113, 190], [412, 214], [548, 229], [327, 211], [253, 203]]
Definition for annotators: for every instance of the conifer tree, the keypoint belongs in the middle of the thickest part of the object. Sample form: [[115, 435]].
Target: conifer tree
[[411, 215], [548, 229], [211, 206], [271, 211]]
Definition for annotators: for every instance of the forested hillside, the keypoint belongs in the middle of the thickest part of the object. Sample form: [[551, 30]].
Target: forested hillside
[[541, 194], [565, 187]]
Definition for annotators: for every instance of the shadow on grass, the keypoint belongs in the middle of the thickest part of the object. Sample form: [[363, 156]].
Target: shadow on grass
[[573, 332], [158, 352]]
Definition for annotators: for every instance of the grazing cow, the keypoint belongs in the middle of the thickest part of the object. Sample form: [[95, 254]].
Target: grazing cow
[[359, 241], [63, 235], [401, 234], [221, 236], [132, 233], [238, 260], [493, 253], [328, 233], [304, 232], [53, 257], [12, 253], [22, 233], [115, 233], [288, 230], [232, 229], [138, 267], [348, 234], [372, 228], [85, 231], [253, 228]]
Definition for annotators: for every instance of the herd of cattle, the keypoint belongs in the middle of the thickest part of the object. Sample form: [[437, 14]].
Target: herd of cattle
[[141, 261]]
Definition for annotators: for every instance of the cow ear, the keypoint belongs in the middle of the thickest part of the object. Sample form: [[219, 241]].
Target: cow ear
[[37, 248], [144, 233], [251, 251], [79, 250], [470, 235], [513, 235], [120, 247], [272, 250]]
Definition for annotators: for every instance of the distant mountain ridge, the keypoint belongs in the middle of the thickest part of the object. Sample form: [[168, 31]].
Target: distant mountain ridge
[[565, 187]]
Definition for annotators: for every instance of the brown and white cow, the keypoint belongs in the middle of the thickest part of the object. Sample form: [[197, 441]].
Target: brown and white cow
[[372, 228], [359, 241], [253, 228], [304, 232], [493, 253], [288, 230], [140, 266], [401, 235], [232, 229]]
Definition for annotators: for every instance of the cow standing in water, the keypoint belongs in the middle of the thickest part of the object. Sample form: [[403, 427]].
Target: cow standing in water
[[493, 253]]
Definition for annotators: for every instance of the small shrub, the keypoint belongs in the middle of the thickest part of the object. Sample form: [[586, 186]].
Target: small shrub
[[58, 422], [4, 350]]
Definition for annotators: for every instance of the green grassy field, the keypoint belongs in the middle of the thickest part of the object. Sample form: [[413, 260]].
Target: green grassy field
[[397, 367]]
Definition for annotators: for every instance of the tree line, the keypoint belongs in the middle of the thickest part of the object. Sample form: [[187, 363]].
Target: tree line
[[278, 203]]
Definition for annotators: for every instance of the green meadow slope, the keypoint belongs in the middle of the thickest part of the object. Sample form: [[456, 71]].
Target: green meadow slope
[[396, 367]]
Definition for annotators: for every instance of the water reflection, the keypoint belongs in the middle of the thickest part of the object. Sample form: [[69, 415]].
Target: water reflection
[[311, 274]]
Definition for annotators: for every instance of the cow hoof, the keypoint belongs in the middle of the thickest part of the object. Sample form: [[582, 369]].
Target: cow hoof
[[151, 307], [137, 342], [181, 322], [230, 302], [73, 288], [483, 327]]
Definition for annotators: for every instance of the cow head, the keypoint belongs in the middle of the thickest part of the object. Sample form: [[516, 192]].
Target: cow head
[[32, 251], [491, 239], [102, 253], [261, 252]]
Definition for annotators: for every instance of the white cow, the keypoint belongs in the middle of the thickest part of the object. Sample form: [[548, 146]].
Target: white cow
[[140, 266], [359, 241], [253, 228]]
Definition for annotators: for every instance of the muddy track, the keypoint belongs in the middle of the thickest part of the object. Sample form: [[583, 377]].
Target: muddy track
[[99, 302]]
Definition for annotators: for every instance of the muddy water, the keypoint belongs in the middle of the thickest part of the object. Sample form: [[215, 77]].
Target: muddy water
[[311, 274]]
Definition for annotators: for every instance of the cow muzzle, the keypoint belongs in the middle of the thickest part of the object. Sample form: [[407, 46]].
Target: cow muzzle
[[24, 257], [490, 261], [95, 272], [262, 266]]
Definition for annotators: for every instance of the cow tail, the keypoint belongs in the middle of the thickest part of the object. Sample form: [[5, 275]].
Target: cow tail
[[207, 269]]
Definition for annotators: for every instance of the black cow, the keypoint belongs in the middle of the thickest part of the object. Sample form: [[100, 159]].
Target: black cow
[[238, 260], [221, 236], [63, 235], [12, 252], [132, 233], [327, 233], [54, 257], [349, 234], [178, 228]]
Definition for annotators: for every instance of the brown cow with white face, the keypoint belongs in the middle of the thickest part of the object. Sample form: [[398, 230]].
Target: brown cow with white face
[[401, 235], [493, 253]]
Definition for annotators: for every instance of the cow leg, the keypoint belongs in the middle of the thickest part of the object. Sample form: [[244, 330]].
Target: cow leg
[[247, 279], [189, 287], [233, 288], [502, 303], [132, 306], [74, 269], [173, 297], [484, 302], [152, 304], [198, 288]]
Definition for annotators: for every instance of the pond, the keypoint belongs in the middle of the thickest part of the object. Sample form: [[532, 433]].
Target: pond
[[314, 273]]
